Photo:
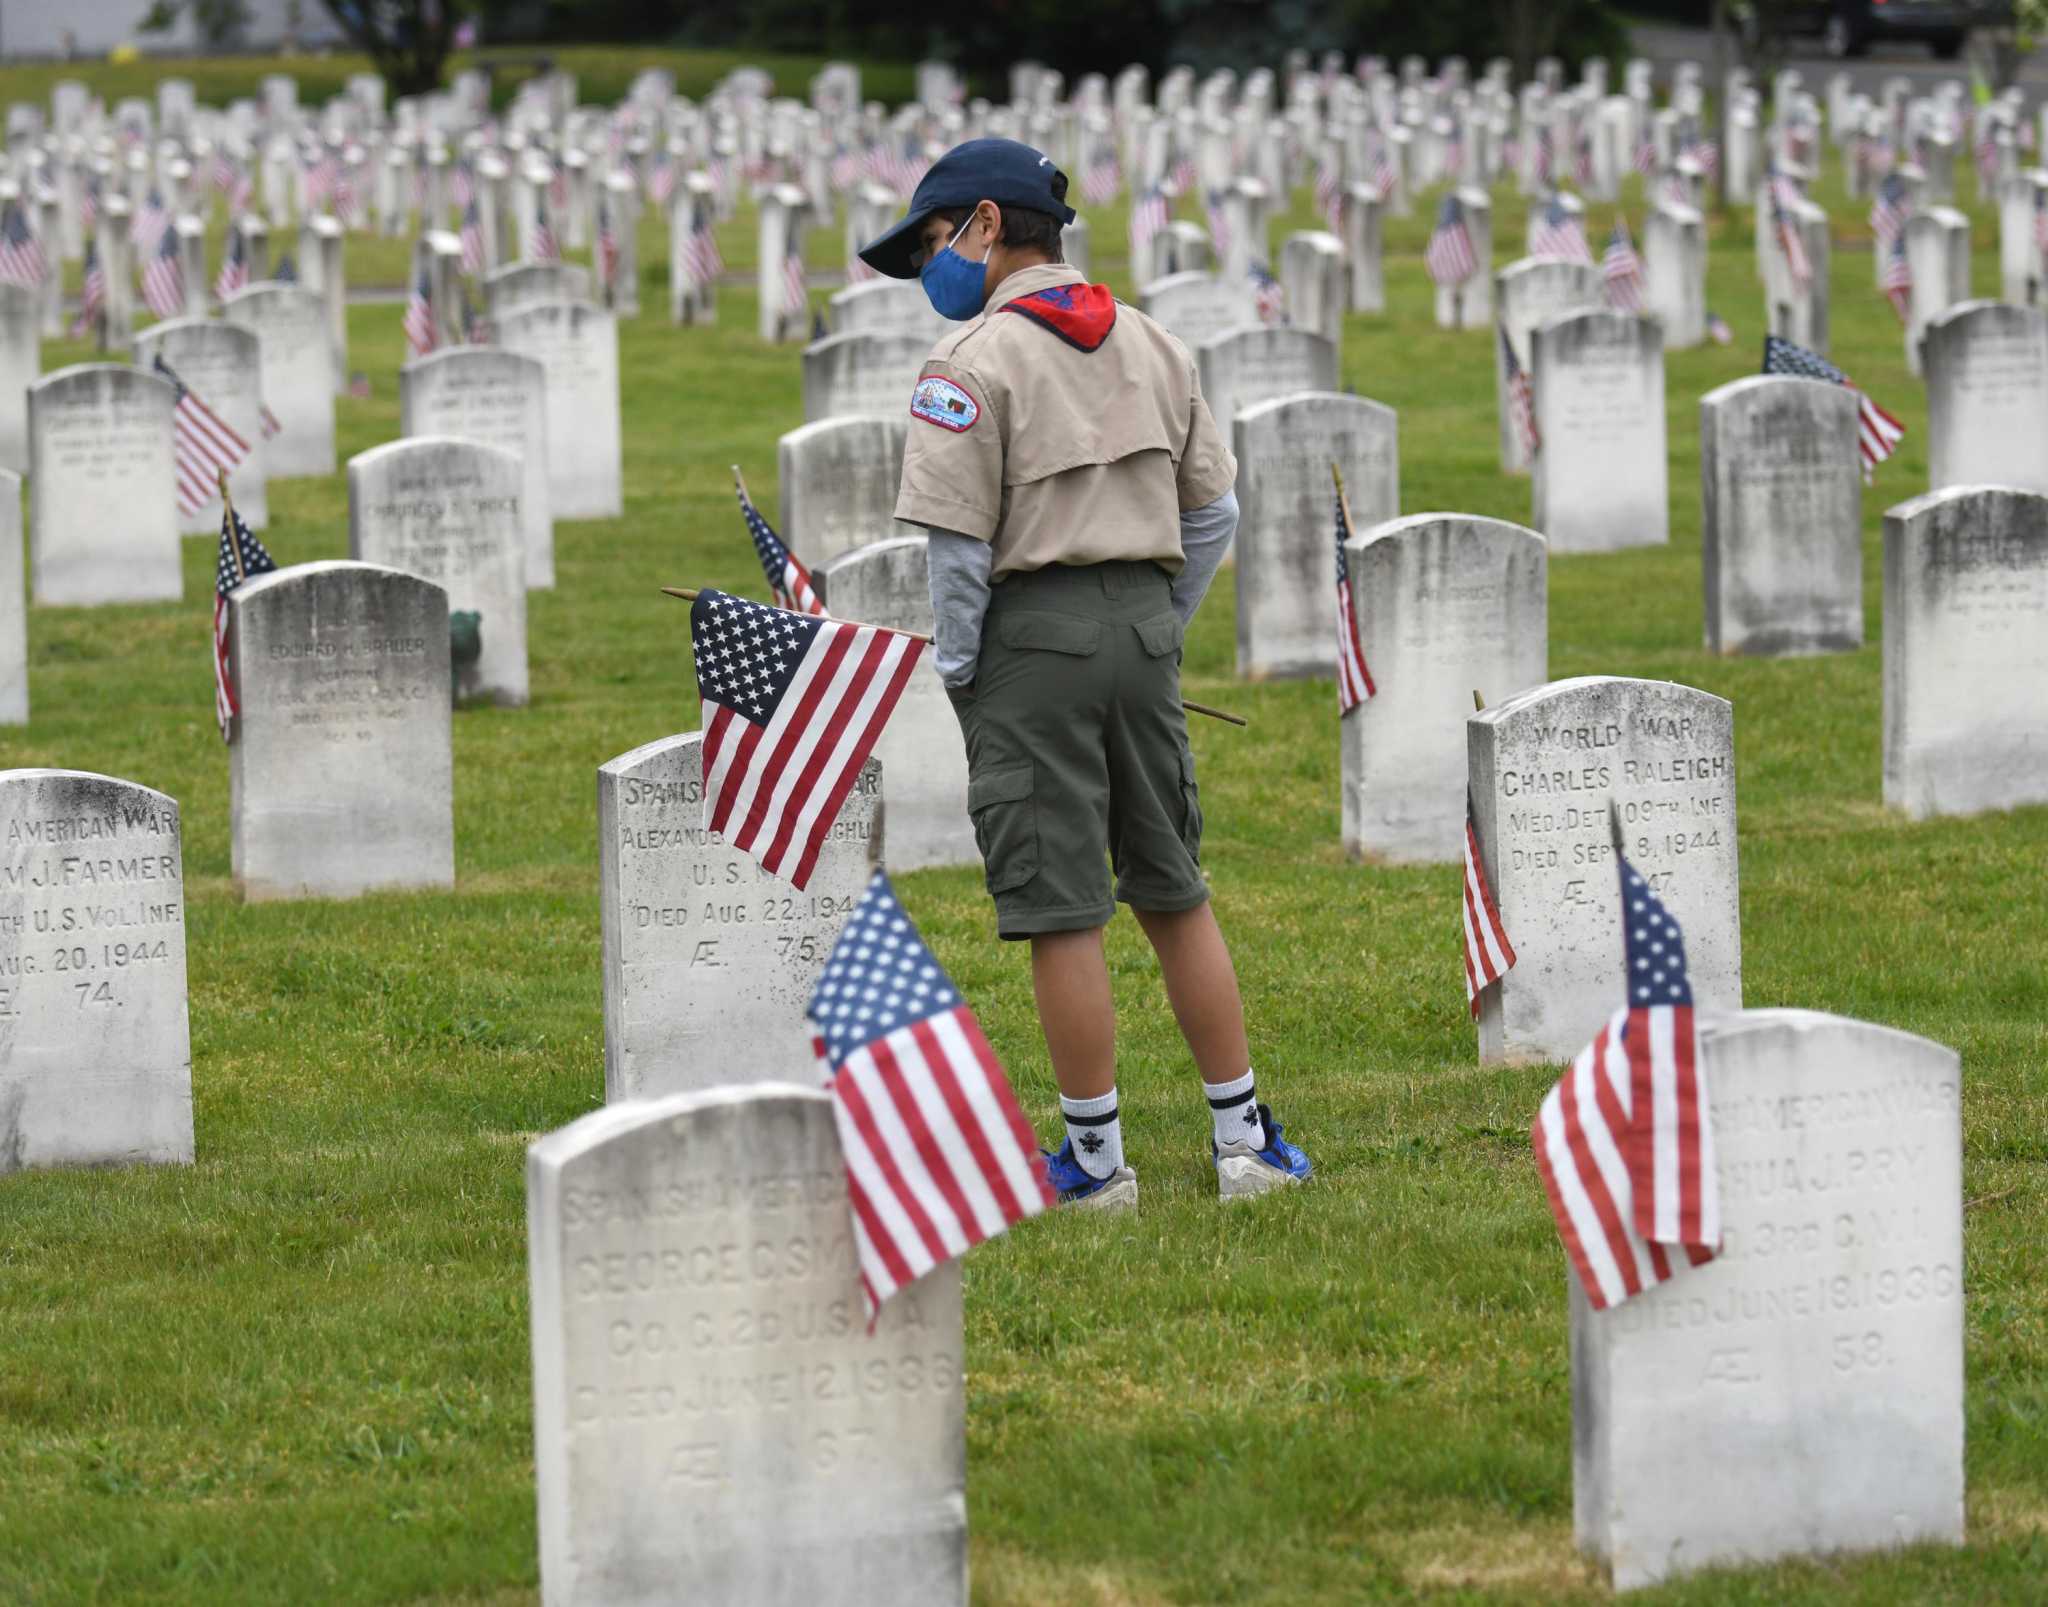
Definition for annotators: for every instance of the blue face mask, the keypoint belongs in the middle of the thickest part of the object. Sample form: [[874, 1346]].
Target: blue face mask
[[956, 287]]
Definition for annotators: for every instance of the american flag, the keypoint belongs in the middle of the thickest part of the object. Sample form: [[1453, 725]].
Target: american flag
[[1546, 154], [1624, 1142], [1717, 329], [1646, 154], [795, 294], [147, 228], [607, 247], [89, 206], [163, 277], [1181, 178], [1354, 679], [1219, 222], [1560, 232], [1622, 269], [234, 267], [92, 292], [1269, 299], [1148, 217], [1101, 181], [939, 1156], [1449, 255], [1707, 154], [223, 171], [21, 254], [702, 259], [462, 185], [1878, 433], [1489, 955], [419, 315], [1790, 235], [2041, 221], [472, 238], [1889, 209], [1381, 173], [241, 555], [792, 707], [1521, 397], [1582, 157], [286, 272], [661, 181], [204, 445], [476, 328], [541, 245], [1897, 279], [1330, 192], [343, 197], [788, 580]]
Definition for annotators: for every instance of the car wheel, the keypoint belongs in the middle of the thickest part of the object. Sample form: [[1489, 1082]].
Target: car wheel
[[1947, 46]]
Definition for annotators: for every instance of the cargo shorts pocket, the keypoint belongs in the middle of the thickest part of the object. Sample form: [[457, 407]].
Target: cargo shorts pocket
[[1005, 825], [1055, 633], [1191, 808], [1160, 635]]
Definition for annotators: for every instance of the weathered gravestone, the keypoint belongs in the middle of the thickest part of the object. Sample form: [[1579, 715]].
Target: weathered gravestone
[[1314, 279], [1543, 767], [1528, 293], [1258, 364], [529, 284], [839, 478], [448, 511], [888, 583], [1675, 273], [1468, 304], [578, 346], [340, 775], [1817, 1361], [13, 607], [1287, 527], [21, 360], [886, 307], [1199, 306], [1987, 396], [866, 373], [222, 365], [1796, 309], [1447, 604], [298, 373], [103, 512], [1781, 537], [1938, 255], [711, 1421], [709, 960], [1362, 247], [1600, 472], [1966, 652], [496, 398], [95, 1052]]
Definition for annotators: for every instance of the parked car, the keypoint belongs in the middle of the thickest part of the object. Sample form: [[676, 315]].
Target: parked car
[[1851, 27]]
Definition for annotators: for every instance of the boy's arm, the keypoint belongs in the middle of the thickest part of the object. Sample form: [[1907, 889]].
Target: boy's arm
[[960, 567], [1205, 534]]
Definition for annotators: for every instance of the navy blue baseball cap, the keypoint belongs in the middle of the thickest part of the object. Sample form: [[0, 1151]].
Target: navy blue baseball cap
[[1005, 171]]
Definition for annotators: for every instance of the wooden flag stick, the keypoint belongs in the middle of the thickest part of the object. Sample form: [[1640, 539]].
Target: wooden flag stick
[[740, 482], [1478, 702], [689, 595], [228, 503], [1343, 501]]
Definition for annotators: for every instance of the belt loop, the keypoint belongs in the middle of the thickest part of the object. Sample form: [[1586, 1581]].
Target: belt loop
[[1112, 581]]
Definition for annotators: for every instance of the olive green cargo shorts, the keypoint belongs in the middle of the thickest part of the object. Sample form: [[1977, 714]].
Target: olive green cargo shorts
[[1077, 750]]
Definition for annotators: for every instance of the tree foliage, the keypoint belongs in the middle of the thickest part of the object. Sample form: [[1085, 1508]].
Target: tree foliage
[[408, 40]]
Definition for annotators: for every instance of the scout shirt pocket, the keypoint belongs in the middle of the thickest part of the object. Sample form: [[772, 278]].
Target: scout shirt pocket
[[1000, 803]]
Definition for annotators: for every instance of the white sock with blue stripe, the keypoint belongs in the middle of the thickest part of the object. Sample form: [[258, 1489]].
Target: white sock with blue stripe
[[1234, 1107], [1095, 1131]]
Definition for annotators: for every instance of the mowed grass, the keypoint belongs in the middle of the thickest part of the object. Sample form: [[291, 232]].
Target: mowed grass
[[298, 1370]]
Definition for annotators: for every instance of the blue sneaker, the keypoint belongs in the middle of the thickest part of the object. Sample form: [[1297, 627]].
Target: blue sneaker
[[1242, 1171], [1073, 1185]]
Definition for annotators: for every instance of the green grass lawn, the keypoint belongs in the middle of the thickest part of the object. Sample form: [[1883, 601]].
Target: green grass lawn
[[298, 1370]]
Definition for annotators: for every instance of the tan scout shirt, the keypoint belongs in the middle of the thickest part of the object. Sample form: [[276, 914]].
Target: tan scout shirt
[[1064, 456]]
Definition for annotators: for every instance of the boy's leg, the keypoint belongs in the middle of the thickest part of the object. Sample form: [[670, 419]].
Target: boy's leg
[[1070, 979], [1201, 985]]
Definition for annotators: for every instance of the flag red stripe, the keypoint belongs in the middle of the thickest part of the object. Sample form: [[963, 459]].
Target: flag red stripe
[[878, 1235], [817, 678], [1691, 1184], [910, 1111], [848, 1093], [849, 771], [1020, 1127], [945, 1076], [1611, 1225], [1560, 1211], [823, 750]]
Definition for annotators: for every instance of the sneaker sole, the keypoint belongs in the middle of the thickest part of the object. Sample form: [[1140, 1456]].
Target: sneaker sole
[[1244, 1177], [1122, 1195]]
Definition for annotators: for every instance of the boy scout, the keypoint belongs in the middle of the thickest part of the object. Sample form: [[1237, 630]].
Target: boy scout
[[1079, 499]]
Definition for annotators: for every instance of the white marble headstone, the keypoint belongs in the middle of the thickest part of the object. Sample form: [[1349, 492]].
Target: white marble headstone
[[1966, 652], [1600, 468], [1447, 604], [13, 607], [1259, 364], [1987, 396], [709, 960], [448, 511], [839, 478], [923, 757], [497, 398], [1287, 526], [870, 373], [95, 1052], [222, 365], [103, 513], [1527, 293], [578, 345], [298, 373], [340, 775], [712, 1421], [1199, 306], [1543, 767], [1781, 539], [21, 361], [1802, 1393], [527, 284]]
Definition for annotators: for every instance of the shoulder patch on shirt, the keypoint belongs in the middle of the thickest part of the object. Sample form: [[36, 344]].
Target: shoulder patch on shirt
[[941, 402]]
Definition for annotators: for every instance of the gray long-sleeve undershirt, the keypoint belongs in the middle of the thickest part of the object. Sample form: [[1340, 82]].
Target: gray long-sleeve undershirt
[[960, 567]]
